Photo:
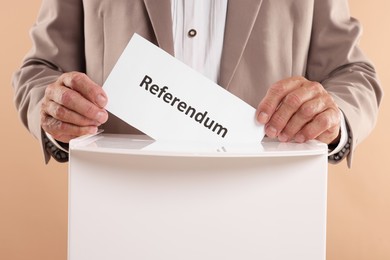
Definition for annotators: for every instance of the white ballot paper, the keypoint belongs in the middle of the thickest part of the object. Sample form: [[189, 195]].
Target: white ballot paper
[[169, 101]]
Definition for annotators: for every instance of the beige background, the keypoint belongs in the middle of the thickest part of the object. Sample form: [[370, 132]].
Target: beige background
[[33, 196]]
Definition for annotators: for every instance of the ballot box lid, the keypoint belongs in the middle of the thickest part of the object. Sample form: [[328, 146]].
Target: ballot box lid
[[143, 145]]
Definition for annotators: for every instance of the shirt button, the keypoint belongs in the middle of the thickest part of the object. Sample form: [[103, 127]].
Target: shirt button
[[192, 33]]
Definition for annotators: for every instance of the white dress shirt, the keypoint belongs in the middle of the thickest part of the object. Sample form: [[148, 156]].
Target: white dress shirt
[[198, 32]]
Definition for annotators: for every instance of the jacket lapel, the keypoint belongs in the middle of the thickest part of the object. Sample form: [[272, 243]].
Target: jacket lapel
[[161, 19], [240, 19]]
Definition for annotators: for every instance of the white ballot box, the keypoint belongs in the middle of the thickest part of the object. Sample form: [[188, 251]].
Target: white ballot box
[[133, 198]]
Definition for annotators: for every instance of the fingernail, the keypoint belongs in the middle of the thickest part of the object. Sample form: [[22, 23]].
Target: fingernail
[[101, 100], [262, 117], [271, 131], [283, 138], [93, 130], [101, 117], [299, 138], [67, 81]]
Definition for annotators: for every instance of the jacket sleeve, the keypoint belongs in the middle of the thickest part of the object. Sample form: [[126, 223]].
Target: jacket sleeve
[[336, 61], [57, 47]]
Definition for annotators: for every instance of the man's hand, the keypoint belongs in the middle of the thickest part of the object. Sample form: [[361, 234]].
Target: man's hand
[[73, 106], [299, 109]]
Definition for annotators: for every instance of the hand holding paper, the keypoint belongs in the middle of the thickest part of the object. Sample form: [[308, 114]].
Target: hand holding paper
[[167, 100]]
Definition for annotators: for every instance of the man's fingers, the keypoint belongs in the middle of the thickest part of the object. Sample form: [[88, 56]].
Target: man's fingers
[[73, 106], [304, 115], [275, 94], [74, 101], [291, 106], [324, 126], [298, 109], [63, 131], [86, 87], [329, 136], [66, 115]]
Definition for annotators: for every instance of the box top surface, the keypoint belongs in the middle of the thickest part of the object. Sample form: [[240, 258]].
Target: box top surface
[[143, 145]]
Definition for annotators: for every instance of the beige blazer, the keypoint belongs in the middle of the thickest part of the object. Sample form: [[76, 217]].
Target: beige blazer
[[265, 41]]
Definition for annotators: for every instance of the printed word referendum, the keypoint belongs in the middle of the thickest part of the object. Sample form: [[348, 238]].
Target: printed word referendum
[[182, 106]]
